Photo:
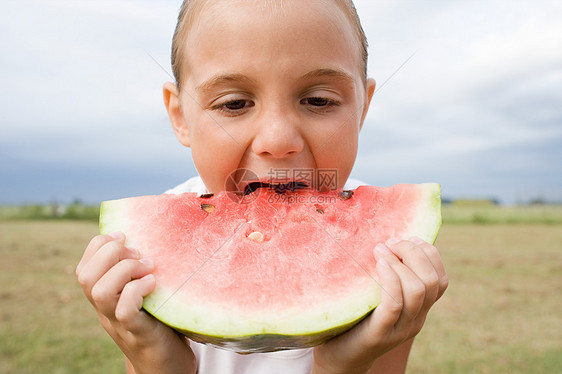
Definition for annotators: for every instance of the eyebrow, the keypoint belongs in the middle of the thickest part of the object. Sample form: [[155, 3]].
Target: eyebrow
[[225, 79], [331, 73]]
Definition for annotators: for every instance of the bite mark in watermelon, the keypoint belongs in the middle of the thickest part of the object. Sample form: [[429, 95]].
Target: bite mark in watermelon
[[285, 271]]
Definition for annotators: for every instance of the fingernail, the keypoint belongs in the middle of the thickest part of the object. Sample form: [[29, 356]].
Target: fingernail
[[416, 240], [381, 249], [392, 241], [134, 251], [383, 262], [148, 277], [117, 235], [147, 261]]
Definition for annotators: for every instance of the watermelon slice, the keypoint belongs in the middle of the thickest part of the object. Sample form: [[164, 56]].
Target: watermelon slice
[[284, 271]]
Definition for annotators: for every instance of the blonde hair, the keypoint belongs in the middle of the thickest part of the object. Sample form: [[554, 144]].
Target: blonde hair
[[191, 8]]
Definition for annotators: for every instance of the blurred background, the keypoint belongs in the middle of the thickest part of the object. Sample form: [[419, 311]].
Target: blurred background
[[469, 95]]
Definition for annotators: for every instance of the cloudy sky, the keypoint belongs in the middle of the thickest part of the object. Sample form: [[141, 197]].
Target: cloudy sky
[[477, 107]]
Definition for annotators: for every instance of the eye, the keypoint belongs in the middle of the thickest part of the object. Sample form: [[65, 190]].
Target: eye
[[321, 104], [317, 101], [235, 104], [233, 107]]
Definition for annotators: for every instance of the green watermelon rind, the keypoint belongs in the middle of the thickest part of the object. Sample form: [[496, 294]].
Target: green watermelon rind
[[227, 329], [241, 333], [111, 216], [429, 219], [267, 342]]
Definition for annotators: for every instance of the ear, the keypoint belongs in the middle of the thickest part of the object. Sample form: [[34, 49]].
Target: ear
[[369, 92], [175, 113]]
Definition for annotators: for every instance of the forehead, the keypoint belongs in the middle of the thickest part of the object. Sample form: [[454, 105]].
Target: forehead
[[288, 28], [271, 30]]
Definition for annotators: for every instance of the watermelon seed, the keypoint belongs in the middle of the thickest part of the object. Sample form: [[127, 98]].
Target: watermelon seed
[[206, 195], [256, 236], [207, 207], [345, 194], [319, 208]]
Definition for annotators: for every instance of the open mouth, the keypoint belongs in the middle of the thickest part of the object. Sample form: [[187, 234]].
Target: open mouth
[[279, 188]]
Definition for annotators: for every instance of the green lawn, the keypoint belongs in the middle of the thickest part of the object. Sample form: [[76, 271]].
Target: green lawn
[[517, 214], [501, 313], [46, 324]]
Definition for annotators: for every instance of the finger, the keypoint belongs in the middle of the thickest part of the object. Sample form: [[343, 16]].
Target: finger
[[416, 259], [95, 244], [433, 255], [100, 263], [106, 292], [388, 311], [413, 289], [128, 310]]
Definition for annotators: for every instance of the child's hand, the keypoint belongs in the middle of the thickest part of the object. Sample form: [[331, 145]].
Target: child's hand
[[115, 280], [412, 278]]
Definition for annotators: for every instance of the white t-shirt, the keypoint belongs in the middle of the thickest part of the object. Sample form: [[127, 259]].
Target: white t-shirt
[[211, 360]]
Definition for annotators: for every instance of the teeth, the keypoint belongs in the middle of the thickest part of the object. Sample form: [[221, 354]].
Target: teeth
[[279, 188]]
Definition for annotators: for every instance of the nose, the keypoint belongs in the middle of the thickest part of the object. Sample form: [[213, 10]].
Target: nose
[[278, 135]]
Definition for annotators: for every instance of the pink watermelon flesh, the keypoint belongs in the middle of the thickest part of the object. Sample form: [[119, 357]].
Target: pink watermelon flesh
[[284, 271]]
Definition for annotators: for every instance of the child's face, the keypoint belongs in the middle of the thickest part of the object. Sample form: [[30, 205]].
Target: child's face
[[270, 88]]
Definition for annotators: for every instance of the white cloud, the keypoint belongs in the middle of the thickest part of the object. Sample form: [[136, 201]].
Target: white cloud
[[475, 64], [70, 61]]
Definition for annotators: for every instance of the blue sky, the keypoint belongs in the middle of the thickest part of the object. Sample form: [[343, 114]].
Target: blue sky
[[478, 108]]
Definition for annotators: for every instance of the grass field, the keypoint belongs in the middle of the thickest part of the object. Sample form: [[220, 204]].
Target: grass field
[[452, 213], [501, 314]]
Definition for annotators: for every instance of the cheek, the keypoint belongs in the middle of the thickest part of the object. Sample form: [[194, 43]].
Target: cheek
[[217, 148], [215, 156], [336, 139], [211, 140], [339, 151]]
